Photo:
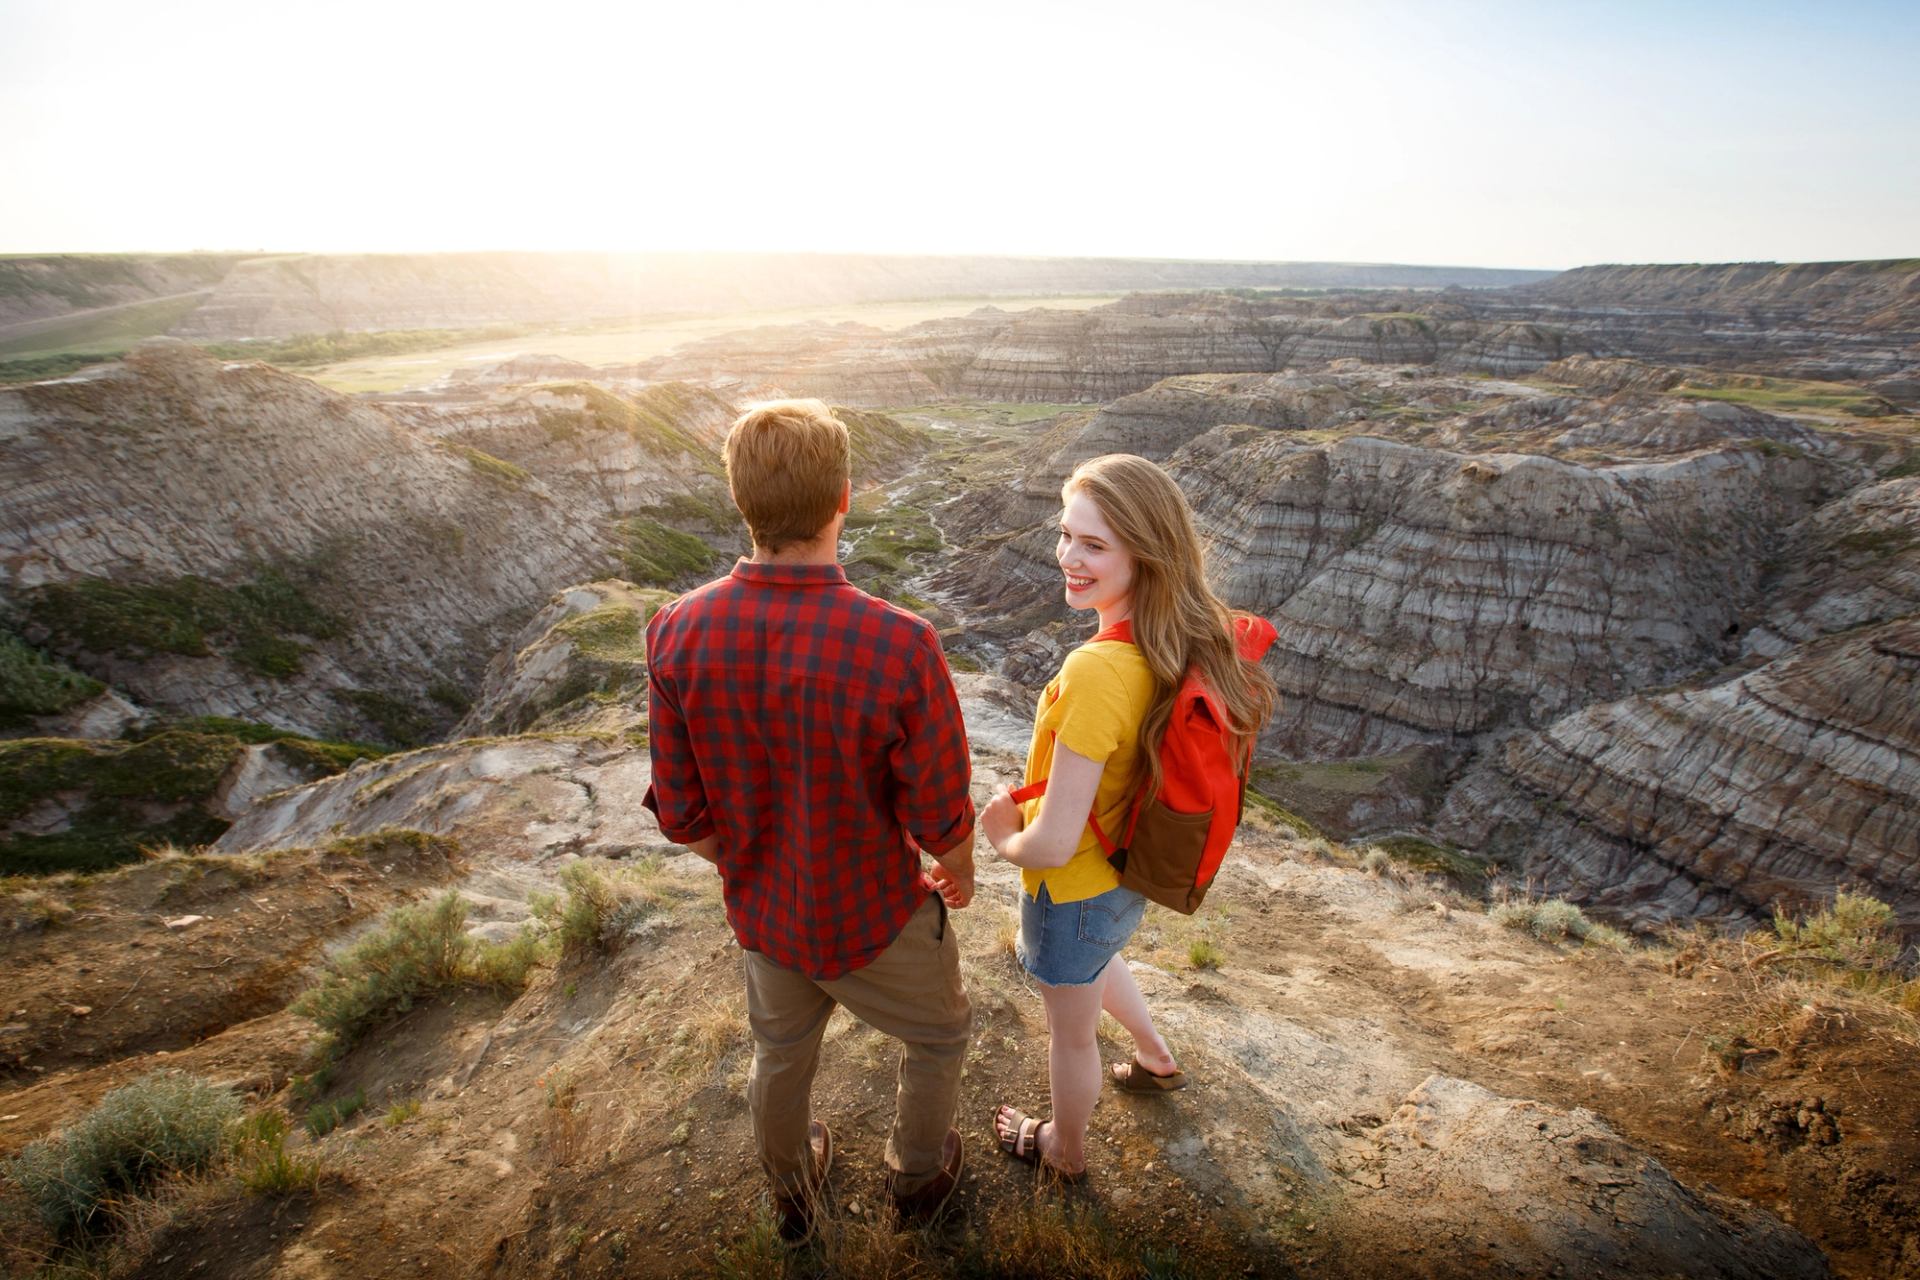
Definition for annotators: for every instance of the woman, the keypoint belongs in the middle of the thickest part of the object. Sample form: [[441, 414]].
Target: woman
[[1129, 552]]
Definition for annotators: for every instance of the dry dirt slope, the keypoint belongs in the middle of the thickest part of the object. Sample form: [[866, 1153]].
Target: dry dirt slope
[[1380, 1085]]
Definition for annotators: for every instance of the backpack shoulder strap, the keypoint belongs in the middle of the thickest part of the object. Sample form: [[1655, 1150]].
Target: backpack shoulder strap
[[1038, 789]]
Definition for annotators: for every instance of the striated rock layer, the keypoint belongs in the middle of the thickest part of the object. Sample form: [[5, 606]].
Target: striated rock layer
[[1772, 788], [1833, 321], [408, 557], [1420, 592]]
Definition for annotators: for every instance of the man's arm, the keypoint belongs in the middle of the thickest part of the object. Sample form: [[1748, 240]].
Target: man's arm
[[932, 772], [676, 795]]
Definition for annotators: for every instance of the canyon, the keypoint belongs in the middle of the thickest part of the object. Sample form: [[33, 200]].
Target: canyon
[[1602, 586]]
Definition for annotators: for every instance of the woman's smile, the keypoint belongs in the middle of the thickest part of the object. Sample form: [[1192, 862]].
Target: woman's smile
[[1097, 568]]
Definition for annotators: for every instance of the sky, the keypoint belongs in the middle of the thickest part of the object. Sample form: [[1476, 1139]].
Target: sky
[[1542, 135]]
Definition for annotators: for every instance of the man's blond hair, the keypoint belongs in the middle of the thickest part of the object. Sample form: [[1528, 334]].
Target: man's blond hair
[[787, 466]]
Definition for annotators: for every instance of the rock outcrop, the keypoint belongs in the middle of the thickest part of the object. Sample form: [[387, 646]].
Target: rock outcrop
[[1852, 322], [1769, 789], [218, 538], [1449, 560], [579, 666]]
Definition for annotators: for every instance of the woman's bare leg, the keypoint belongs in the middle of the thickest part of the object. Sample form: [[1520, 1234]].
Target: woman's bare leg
[[1120, 996], [1073, 1066]]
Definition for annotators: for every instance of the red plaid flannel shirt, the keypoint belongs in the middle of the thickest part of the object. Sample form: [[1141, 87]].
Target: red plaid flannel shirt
[[814, 729]]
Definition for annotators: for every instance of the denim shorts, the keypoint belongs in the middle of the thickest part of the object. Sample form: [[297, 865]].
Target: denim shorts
[[1069, 946]]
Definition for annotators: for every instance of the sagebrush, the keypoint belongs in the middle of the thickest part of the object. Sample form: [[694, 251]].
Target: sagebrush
[[165, 1122]]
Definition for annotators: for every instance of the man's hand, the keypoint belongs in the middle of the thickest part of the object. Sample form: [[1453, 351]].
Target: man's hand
[[952, 879], [707, 847]]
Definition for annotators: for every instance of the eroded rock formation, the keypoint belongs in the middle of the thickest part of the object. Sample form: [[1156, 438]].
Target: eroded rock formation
[[222, 538], [1768, 789]]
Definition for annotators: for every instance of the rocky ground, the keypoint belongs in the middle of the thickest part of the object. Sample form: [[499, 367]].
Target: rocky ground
[[1385, 1078]]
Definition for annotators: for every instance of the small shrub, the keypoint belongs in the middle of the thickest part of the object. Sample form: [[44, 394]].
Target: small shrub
[[401, 1112], [1202, 954], [324, 1117], [260, 1150], [414, 950], [163, 1123], [1855, 932], [1555, 920], [597, 909]]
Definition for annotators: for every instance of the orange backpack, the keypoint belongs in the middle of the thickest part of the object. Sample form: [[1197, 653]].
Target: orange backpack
[[1174, 840]]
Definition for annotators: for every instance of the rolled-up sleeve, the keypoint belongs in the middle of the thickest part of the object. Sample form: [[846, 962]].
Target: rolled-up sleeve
[[675, 795], [931, 768]]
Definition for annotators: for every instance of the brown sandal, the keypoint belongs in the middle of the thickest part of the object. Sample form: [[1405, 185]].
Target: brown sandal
[[1133, 1077], [1022, 1142]]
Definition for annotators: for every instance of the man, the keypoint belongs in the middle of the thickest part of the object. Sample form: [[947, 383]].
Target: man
[[806, 740]]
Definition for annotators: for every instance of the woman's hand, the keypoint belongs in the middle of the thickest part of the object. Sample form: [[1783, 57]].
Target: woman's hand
[[1001, 820]]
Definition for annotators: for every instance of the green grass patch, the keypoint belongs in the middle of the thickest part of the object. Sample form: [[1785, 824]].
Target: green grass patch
[[253, 622], [1006, 413], [1876, 544], [308, 349], [447, 694], [324, 1117], [710, 508], [1463, 869], [885, 539], [1203, 954], [124, 797], [260, 1154], [328, 756], [614, 632], [32, 684], [655, 555], [498, 470], [876, 438], [652, 418], [1908, 466], [119, 797], [40, 368], [1788, 395], [1262, 810], [105, 333]]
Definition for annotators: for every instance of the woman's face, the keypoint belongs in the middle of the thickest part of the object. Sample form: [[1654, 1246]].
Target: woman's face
[[1098, 569]]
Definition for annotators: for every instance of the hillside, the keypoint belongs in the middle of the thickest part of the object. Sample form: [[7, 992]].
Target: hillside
[[1386, 1078]]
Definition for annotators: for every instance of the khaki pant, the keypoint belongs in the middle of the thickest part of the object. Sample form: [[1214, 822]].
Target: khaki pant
[[911, 991]]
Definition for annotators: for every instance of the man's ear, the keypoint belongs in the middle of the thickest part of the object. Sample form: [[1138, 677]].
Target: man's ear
[[846, 498]]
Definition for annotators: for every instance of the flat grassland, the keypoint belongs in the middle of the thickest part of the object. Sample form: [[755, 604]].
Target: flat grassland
[[647, 337]]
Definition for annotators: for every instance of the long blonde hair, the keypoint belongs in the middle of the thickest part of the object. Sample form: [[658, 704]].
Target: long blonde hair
[[1178, 623]]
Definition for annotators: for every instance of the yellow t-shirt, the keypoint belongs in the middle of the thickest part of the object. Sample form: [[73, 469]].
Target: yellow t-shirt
[[1094, 706]]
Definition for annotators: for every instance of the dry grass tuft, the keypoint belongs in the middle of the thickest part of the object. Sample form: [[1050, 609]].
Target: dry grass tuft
[[1556, 920]]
